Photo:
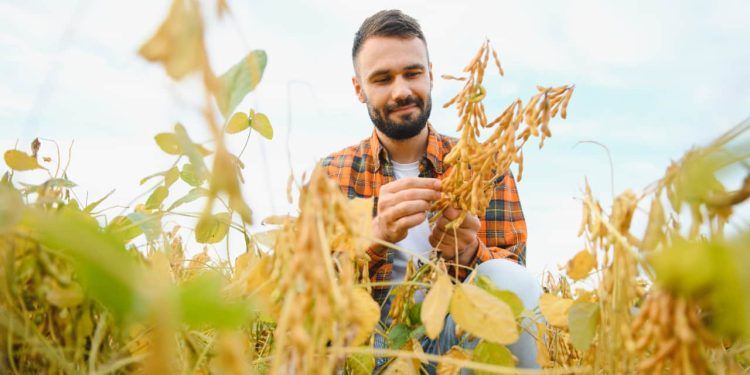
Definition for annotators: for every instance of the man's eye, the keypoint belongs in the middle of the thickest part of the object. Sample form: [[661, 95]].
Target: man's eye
[[381, 80], [413, 74]]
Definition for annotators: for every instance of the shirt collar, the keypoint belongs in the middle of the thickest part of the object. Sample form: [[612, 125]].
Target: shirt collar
[[433, 153]]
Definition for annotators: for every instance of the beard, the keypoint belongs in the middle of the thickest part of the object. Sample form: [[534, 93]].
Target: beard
[[409, 125]]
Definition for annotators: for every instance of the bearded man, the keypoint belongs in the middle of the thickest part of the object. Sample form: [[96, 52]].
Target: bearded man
[[401, 166]]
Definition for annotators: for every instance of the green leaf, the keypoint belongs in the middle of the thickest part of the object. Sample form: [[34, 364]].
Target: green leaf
[[11, 208], [156, 198], [415, 311], [91, 206], [398, 335], [124, 229], [192, 195], [168, 143], [171, 176], [202, 304], [492, 354], [60, 182], [20, 161], [193, 175], [150, 224], [261, 124], [212, 228], [506, 296], [194, 152], [237, 123], [239, 80], [107, 271], [360, 363], [583, 319]]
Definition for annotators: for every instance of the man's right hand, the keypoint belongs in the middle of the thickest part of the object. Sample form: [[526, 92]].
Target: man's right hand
[[403, 204]]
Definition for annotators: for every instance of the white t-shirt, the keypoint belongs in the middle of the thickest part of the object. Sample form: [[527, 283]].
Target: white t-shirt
[[417, 239]]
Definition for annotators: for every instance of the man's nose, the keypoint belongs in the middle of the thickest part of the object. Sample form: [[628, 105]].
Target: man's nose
[[401, 89]]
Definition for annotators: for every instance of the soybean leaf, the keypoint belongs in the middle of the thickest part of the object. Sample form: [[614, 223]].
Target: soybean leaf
[[492, 354], [156, 198], [20, 161], [262, 125], [168, 143], [150, 224], [171, 176], [583, 318], [237, 123], [201, 304], [212, 228], [239, 80], [398, 335], [506, 296], [193, 175], [91, 206], [361, 363], [124, 229], [483, 315], [109, 274], [192, 195]]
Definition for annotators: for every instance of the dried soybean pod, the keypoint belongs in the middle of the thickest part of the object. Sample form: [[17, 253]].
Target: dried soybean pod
[[497, 62]]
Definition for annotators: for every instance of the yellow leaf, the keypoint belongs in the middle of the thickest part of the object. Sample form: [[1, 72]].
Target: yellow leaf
[[168, 143], [456, 352], [237, 123], [435, 306], [581, 265], [267, 238], [555, 309], [212, 228], [401, 366], [366, 317], [483, 315], [178, 43], [20, 161], [262, 125]]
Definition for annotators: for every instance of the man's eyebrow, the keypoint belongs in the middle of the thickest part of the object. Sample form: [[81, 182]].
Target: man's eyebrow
[[387, 71]]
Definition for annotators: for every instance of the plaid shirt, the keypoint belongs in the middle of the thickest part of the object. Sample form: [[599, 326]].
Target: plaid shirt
[[362, 169]]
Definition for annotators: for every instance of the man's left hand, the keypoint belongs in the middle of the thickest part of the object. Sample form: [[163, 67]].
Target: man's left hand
[[464, 238]]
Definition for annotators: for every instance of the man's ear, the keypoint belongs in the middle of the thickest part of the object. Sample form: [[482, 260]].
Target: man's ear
[[430, 68], [358, 89]]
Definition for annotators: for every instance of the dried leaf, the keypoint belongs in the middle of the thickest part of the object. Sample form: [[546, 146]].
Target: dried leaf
[[366, 317], [401, 366], [555, 309], [456, 352], [178, 43], [483, 315], [435, 306], [581, 265]]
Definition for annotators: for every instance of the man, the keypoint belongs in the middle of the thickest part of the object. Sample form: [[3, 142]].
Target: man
[[401, 165]]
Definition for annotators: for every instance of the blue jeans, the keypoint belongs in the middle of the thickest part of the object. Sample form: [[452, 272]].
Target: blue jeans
[[505, 275]]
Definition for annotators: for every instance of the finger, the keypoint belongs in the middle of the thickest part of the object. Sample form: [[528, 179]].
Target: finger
[[415, 194], [410, 221], [412, 183], [407, 208], [471, 222], [451, 213]]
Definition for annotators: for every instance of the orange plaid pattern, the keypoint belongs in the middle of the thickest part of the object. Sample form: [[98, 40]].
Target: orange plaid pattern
[[362, 169]]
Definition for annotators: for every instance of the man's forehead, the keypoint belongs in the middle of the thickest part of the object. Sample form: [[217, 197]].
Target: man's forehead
[[391, 53]]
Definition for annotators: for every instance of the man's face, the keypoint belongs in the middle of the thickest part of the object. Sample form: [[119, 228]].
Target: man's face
[[394, 79]]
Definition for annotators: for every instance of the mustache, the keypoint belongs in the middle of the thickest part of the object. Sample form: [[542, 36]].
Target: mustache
[[404, 102]]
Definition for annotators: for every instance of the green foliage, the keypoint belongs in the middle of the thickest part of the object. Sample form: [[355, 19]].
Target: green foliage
[[493, 354], [583, 320], [201, 303], [515, 303], [239, 80], [107, 271]]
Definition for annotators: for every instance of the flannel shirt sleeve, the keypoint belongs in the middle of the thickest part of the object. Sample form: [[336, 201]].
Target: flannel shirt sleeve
[[503, 229]]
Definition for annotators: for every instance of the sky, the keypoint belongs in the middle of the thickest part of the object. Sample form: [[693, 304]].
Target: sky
[[653, 78]]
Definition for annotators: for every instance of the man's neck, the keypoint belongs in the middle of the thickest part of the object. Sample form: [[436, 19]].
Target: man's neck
[[405, 150]]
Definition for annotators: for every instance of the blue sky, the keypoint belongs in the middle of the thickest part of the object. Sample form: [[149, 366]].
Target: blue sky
[[652, 79]]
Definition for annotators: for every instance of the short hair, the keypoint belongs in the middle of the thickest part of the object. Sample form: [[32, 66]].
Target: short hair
[[392, 23]]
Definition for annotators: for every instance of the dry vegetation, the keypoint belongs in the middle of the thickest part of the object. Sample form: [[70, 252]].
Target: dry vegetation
[[76, 294]]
